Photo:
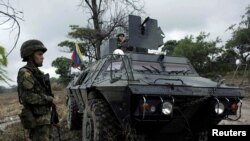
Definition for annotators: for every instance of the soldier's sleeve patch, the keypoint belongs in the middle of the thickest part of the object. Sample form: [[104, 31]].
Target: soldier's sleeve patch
[[27, 74], [27, 79]]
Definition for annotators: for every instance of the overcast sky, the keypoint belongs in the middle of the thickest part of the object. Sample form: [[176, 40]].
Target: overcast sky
[[49, 20]]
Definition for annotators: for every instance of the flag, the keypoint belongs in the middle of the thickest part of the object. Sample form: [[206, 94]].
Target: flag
[[78, 51], [76, 56]]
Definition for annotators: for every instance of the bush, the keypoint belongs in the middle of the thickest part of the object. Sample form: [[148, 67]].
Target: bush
[[57, 87]]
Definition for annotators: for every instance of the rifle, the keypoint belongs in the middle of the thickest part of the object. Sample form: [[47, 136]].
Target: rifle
[[54, 113]]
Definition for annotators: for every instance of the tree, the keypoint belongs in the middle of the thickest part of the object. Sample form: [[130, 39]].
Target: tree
[[105, 17], [53, 80], [169, 47], [63, 66], [84, 38], [199, 51], [8, 16], [2, 89], [226, 61], [3, 64], [240, 41]]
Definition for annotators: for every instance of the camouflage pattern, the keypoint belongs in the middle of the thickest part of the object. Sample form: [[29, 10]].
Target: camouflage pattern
[[41, 133], [120, 34], [32, 95], [30, 46], [124, 46]]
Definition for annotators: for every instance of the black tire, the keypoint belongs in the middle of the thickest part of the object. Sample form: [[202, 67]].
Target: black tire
[[74, 119], [99, 122]]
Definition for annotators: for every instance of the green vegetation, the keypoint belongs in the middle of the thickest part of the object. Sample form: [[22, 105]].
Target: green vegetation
[[240, 41], [101, 26], [63, 66], [8, 90], [3, 64], [207, 57], [199, 51]]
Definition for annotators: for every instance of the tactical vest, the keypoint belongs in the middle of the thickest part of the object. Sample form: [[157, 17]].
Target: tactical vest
[[39, 85], [39, 88], [34, 115]]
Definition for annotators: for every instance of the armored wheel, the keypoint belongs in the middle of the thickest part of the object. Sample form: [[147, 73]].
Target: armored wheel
[[74, 119], [99, 123]]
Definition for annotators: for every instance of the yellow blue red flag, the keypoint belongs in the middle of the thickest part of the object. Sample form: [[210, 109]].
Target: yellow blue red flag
[[76, 56]]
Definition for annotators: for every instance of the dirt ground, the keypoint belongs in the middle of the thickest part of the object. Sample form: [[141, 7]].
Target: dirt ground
[[11, 130], [245, 115]]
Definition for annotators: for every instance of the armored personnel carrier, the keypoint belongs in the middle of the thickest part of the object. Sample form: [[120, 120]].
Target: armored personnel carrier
[[140, 96]]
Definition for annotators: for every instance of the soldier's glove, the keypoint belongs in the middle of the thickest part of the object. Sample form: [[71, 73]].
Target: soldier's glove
[[49, 99]]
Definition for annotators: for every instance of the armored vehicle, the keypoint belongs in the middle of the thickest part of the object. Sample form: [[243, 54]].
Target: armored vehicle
[[140, 96]]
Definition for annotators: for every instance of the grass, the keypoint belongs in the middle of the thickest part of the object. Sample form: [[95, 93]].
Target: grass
[[10, 106], [57, 87], [239, 80], [14, 132]]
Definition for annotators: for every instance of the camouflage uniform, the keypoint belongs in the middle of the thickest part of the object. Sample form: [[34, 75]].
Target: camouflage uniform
[[123, 45], [36, 112]]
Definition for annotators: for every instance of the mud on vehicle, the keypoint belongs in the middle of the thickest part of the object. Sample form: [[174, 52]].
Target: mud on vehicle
[[141, 96]]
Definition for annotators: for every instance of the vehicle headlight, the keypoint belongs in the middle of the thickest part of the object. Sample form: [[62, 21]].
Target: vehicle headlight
[[219, 108], [152, 109], [167, 108]]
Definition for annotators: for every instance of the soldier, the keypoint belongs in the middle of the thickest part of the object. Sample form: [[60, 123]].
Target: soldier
[[122, 43], [36, 112]]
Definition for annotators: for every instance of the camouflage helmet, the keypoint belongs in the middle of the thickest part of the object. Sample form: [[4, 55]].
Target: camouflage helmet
[[120, 34], [30, 46]]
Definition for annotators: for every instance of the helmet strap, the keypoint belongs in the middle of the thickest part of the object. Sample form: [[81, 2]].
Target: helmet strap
[[31, 60]]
